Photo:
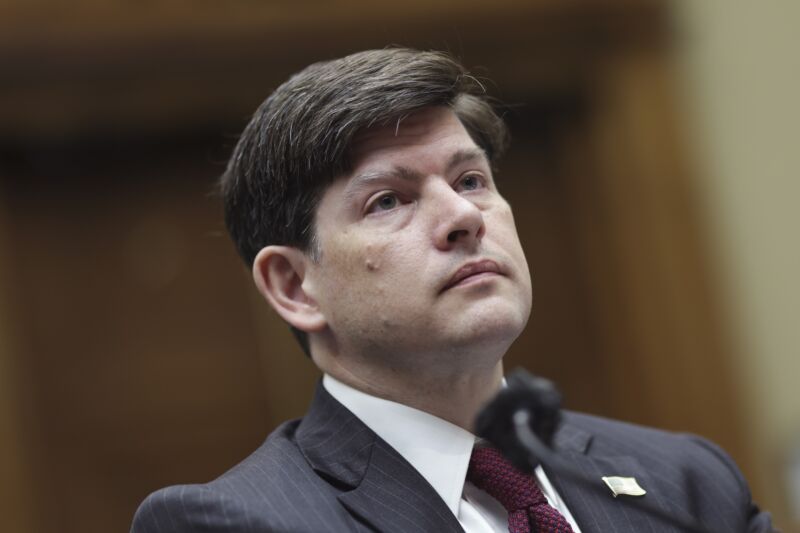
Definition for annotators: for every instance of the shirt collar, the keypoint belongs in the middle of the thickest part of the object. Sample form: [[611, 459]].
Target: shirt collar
[[437, 449]]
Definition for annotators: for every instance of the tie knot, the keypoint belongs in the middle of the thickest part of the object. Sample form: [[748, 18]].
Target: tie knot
[[491, 472]]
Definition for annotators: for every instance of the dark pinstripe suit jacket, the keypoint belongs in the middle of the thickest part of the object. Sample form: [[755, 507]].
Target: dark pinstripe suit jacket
[[329, 472]]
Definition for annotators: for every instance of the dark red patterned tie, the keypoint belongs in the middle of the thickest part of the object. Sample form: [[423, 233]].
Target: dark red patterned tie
[[528, 510]]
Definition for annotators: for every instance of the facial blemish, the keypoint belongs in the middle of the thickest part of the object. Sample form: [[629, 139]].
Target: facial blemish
[[371, 264]]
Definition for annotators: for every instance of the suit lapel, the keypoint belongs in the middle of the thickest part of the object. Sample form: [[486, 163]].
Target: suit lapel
[[381, 490], [378, 485], [594, 507], [393, 496]]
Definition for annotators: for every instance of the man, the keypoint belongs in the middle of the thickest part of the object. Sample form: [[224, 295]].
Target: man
[[362, 196]]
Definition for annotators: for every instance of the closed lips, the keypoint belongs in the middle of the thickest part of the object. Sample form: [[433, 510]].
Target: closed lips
[[473, 269]]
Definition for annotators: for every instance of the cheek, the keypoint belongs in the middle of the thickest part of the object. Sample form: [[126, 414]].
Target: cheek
[[505, 230], [384, 260], [371, 286], [505, 235], [360, 264], [388, 271], [347, 257]]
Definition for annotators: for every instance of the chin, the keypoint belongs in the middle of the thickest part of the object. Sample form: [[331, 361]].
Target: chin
[[495, 329]]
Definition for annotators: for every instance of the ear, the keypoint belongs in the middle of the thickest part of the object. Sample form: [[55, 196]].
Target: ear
[[279, 272]]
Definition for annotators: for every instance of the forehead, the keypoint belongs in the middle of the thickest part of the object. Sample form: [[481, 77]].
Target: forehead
[[431, 131]]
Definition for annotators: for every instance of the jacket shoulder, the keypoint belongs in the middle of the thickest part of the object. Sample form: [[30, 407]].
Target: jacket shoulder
[[189, 508], [665, 452], [651, 445], [677, 459], [258, 494]]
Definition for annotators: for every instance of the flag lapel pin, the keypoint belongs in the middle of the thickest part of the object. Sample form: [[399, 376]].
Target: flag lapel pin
[[623, 486]]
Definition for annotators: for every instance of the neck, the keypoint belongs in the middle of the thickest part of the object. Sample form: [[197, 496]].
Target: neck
[[453, 395]]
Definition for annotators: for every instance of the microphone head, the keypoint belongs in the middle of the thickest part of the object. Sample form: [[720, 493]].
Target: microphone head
[[539, 397]]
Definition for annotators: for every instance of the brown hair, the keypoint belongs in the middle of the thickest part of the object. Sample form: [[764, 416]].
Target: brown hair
[[298, 140]]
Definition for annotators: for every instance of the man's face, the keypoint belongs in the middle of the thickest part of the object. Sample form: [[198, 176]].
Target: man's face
[[420, 256]]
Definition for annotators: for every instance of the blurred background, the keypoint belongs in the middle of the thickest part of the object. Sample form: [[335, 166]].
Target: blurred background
[[652, 173]]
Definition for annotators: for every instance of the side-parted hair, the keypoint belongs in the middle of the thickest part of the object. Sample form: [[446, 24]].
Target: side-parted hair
[[298, 141]]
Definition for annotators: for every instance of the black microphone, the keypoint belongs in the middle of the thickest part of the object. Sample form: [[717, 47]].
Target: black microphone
[[521, 422], [528, 396]]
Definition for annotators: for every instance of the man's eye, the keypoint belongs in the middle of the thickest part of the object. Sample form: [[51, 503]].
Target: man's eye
[[384, 203], [470, 182]]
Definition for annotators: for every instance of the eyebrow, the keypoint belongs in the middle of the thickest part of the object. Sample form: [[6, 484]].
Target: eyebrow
[[465, 155], [458, 157], [362, 181]]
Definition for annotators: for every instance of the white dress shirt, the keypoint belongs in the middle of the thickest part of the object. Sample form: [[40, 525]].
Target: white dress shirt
[[440, 452]]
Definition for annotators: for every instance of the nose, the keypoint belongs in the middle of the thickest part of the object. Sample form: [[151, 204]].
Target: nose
[[459, 222]]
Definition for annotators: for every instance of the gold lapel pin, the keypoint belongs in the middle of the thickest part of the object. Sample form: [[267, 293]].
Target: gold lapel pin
[[623, 486]]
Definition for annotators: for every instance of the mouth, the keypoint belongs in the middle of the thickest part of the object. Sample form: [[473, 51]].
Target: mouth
[[473, 272]]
